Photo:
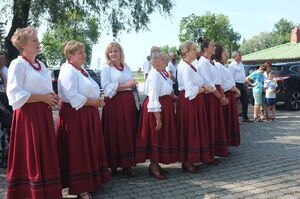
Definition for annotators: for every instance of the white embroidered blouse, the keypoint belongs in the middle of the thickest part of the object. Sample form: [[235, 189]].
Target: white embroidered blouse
[[23, 80]]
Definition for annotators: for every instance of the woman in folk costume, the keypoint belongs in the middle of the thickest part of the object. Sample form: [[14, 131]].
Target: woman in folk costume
[[79, 129], [33, 165], [191, 114], [214, 101], [157, 138], [119, 113], [231, 92]]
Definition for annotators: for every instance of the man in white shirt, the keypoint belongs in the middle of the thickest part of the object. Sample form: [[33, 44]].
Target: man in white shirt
[[146, 67], [237, 69], [171, 69]]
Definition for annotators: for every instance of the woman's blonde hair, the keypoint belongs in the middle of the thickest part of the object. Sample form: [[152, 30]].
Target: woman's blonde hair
[[186, 47], [119, 47], [21, 35], [71, 47]]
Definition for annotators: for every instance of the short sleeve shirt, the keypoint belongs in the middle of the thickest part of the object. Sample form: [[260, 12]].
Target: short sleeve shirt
[[270, 86], [257, 77]]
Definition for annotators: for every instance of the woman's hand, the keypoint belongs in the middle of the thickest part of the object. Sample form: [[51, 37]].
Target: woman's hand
[[158, 125], [201, 90], [51, 99], [209, 89], [101, 102], [237, 93], [131, 84], [175, 98], [158, 121], [255, 83], [224, 101]]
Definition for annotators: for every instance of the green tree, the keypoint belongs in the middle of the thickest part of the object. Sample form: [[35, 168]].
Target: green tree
[[256, 43], [281, 34], [75, 26], [169, 49], [209, 26], [116, 15]]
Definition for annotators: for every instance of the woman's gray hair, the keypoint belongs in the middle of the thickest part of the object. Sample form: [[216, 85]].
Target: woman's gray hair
[[154, 55], [235, 54]]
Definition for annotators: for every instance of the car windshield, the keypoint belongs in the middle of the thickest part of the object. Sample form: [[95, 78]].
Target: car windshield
[[277, 68]]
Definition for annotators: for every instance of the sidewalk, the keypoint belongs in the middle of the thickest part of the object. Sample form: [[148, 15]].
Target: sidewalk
[[266, 165]]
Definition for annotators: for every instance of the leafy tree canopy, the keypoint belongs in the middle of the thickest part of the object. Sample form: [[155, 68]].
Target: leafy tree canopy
[[114, 15], [169, 49], [281, 34], [75, 26], [210, 26]]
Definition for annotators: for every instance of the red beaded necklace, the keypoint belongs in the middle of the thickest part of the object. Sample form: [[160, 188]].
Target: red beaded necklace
[[81, 70], [35, 68], [120, 69], [191, 65]]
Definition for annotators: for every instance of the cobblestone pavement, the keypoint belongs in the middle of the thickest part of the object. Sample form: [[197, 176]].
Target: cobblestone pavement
[[266, 165]]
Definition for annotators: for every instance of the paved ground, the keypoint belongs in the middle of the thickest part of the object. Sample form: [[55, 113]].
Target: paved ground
[[266, 165]]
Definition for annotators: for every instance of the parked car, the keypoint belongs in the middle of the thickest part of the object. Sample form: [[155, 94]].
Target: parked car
[[250, 68], [54, 72], [94, 76], [287, 75]]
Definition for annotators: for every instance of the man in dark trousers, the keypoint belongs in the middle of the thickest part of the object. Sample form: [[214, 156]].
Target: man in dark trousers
[[238, 72]]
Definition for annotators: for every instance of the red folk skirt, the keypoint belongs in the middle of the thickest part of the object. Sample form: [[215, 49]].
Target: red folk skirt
[[217, 130], [33, 165], [158, 146], [119, 124], [193, 129], [231, 120], [81, 149]]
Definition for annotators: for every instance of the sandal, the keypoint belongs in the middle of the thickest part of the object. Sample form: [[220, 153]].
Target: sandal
[[191, 168], [85, 195], [274, 119], [258, 119]]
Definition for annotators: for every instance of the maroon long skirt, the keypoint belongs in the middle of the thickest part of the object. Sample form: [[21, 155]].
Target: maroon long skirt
[[193, 129], [119, 124], [81, 148], [216, 125], [158, 146], [231, 120], [33, 167]]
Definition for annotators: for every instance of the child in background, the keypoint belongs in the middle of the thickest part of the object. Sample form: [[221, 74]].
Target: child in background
[[270, 86]]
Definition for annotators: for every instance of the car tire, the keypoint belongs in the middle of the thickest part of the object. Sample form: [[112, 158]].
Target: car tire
[[293, 100]]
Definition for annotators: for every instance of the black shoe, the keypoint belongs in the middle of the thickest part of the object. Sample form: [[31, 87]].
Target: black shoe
[[247, 120]]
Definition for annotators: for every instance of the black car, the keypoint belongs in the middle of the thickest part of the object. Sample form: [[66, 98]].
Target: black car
[[250, 68], [288, 79], [54, 72], [94, 76], [287, 75]]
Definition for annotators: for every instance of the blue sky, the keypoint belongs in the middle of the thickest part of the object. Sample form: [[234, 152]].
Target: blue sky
[[247, 17]]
